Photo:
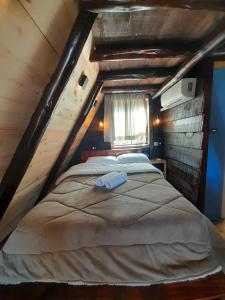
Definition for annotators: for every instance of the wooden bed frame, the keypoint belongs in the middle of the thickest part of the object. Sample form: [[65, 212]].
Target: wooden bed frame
[[112, 152]]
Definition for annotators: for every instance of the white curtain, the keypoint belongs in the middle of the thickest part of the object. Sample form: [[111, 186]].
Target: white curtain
[[126, 119]]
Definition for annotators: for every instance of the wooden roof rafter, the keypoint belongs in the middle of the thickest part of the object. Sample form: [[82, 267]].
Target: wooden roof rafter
[[148, 88], [101, 6], [216, 39], [143, 50], [137, 73], [140, 50]]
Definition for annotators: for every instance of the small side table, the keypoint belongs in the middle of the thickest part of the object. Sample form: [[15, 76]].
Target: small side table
[[160, 164]]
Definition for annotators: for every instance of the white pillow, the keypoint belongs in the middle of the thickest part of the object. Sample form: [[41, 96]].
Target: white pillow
[[110, 160], [129, 158]]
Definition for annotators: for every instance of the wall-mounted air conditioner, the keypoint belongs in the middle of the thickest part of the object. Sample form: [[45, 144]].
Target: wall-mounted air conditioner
[[182, 91]]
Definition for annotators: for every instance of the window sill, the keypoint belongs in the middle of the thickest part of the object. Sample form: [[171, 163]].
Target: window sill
[[145, 146]]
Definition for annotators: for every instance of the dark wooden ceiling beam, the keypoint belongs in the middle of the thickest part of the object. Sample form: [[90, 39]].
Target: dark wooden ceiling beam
[[215, 40], [57, 167], [39, 120], [111, 52], [138, 73], [147, 50], [100, 6], [148, 88]]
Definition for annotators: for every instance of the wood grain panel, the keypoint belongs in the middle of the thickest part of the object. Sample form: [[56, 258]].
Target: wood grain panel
[[141, 63], [193, 124], [83, 130], [22, 45], [185, 110], [45, 13], [184, 178], [135, 82], [191, 157], [189, 139], [69, 105], [156, 24]]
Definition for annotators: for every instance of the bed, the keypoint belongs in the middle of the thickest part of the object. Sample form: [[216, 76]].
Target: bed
[[141, 233]]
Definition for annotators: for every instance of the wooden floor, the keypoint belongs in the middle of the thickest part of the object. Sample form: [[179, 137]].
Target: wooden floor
[[212, 287]]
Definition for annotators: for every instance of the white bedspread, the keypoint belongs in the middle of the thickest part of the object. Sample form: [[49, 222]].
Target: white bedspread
[[142, 232], [98, 169]]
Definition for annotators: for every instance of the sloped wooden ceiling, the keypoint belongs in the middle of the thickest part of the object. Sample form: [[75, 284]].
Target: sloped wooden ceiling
[[32, 37], [134, 33]]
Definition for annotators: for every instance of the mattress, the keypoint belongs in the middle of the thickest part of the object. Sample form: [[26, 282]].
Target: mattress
[[140, 233]]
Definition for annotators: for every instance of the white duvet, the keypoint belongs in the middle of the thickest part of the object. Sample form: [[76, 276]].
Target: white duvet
[[140, 233]]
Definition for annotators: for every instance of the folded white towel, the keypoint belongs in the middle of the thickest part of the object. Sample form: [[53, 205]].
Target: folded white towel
[[112, 179], [101, 180]]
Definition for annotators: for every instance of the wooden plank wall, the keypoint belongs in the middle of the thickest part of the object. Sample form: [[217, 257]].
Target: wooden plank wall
[[32, 37], [183, 132]]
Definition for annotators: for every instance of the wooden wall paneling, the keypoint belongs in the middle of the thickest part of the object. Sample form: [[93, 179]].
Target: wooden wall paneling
[[83, 115], [189, 156], [82, 131], [184, 178], [185, 168], [188, 139], [23, 87], [181, 182], [188, 109], [66, 112], [24, 200], [192, 124], [22, 78], [38, 123], [53, 18]]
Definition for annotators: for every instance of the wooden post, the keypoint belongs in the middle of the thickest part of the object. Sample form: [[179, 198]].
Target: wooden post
[[207, 77], [39, 120], [57, 167]]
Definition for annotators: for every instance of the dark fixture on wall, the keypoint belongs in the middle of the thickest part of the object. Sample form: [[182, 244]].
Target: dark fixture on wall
[[83, 80], [94, 103]]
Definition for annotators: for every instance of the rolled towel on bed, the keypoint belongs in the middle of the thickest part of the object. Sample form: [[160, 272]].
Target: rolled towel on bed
[[112, 179], [101, 180]]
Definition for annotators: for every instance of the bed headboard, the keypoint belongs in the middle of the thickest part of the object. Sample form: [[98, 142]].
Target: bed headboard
[[114, 152]]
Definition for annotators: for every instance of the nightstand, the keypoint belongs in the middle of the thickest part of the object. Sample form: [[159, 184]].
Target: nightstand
[[160, 164]]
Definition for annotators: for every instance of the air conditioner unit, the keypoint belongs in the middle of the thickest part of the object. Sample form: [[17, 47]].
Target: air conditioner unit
[[182, 91]]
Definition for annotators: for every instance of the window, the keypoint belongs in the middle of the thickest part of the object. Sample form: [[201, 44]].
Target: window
[[126, 120]]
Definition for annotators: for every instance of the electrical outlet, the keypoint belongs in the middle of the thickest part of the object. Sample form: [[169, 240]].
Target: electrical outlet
[[156, 144]]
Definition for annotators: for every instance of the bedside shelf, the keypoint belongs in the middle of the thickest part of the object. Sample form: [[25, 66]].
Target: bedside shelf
[[160, 162]]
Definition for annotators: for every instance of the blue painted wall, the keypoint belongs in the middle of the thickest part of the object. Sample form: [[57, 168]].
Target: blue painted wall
[[216, 149]]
